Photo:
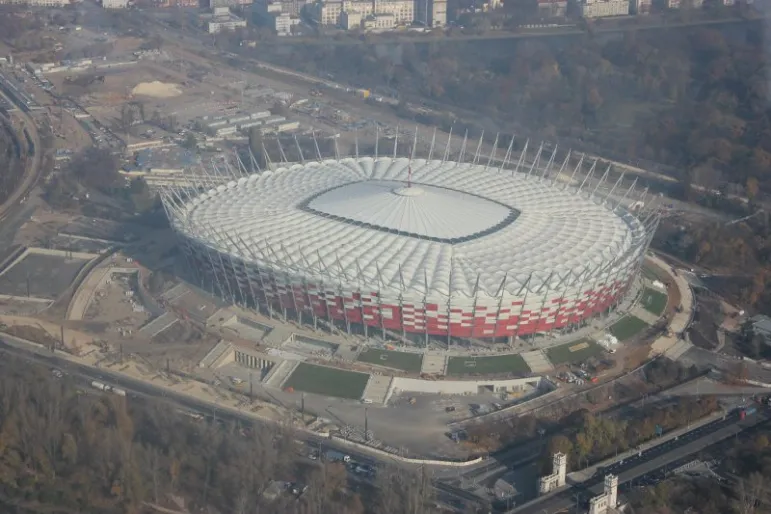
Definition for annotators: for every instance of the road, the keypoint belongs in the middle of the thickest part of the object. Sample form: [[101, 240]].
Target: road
[[10, 209], [654, 459]]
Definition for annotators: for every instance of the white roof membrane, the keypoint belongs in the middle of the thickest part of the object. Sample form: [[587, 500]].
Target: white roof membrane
[[419, 210], [349, 221]]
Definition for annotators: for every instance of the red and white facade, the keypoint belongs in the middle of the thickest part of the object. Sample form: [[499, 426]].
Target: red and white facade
[[416, 247]]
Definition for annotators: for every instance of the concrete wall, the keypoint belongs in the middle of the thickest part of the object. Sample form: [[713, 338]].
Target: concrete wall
[[459, 386]]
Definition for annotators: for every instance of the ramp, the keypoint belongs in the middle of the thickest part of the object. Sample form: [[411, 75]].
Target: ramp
[[537, 361], [434, 364], [278, 375], [377, 388]]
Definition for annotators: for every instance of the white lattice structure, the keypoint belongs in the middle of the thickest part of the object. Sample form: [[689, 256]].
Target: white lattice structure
[[417, 246]]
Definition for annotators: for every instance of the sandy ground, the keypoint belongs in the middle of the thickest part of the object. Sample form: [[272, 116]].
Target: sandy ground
[[156, 89]]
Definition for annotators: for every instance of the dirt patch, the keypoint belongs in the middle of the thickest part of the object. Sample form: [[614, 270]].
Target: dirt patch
[[31, 333], [156, 89], [707, 317]]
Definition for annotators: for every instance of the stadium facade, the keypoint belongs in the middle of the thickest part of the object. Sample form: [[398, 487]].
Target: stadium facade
[[417, 248]]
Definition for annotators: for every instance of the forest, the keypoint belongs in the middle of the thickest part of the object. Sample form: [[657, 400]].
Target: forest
[[67, 450], [693, 101]]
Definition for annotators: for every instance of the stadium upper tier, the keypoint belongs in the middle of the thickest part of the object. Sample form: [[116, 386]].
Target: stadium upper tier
[[415, 227]]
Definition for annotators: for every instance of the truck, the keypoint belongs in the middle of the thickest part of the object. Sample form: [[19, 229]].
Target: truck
[[747, 411], [99, 385], [336, 456]]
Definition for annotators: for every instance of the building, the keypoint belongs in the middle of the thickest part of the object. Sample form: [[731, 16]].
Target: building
[[379, 22], [761, 326], [290, 7], [350, 20], [552, 8], [326, 12], [284, 22], [222, 19], [608, 500], [37, 3], [115, 4], [431, 13], [376, 14], [548, 483], [279, 16], [228, 3], [414, 248], [390, 13], [640, 7], [604, 8]]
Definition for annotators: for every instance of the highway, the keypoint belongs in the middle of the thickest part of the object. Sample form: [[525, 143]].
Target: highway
[[30, 141], [658, 457]]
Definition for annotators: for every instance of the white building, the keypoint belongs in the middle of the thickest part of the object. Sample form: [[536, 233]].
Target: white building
[[284, 22], [37, 3], [223, 19], [350, 20], [327, 12], [556, 480], [391, 12], [115, 4], [604, 8], [431, 13], [281, 16], [552, 8], [380, 22], [402, 11], [608, 500]]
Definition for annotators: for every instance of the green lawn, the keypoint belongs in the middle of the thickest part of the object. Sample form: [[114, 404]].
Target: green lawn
[[487, 365], [577, 351], [653, 301], [327, 381], [627, 327], [405, 361]]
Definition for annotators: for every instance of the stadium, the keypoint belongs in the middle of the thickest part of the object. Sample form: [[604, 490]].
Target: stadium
[[414, 248]]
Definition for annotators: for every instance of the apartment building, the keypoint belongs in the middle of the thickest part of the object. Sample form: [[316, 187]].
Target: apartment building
[[604, 8]]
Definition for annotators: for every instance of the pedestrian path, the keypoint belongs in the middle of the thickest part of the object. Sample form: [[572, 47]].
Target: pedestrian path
[[678, 349], [278, 375], [377, 388], [434, 363], [537, 361]]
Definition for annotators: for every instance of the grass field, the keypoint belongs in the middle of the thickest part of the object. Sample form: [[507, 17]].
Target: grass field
[[487, 365], [653, 301], [576, 351], [627, 327], [327, 381], [392, 359]]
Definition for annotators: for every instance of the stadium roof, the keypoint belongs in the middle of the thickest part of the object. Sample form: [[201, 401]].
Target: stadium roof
[[460, 228], [417, 210]]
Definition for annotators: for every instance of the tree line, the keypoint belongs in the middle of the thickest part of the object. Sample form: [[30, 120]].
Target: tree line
[[63, 450]]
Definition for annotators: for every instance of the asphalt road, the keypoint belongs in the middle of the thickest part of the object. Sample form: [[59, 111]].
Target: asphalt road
[[650, 461]]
